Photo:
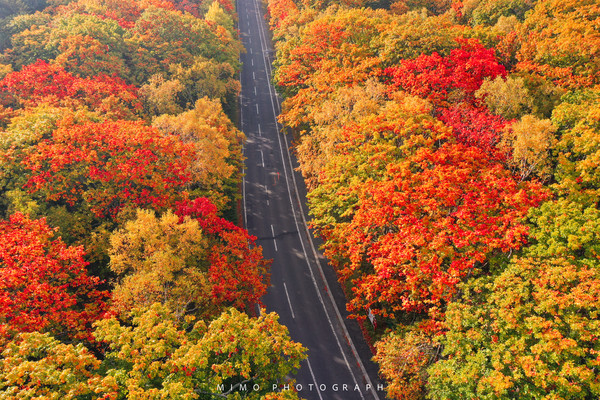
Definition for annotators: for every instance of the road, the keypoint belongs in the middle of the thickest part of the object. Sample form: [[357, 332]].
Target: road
[[304, 292]]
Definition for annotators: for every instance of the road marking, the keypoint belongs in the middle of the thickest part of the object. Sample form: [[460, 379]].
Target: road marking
[[259, 131], [263, 45], [262, 156], [253, 76], [255, 90], [314, 379], [252, 62], [256, 108], [288, 297], [274, 241], [268, 72]]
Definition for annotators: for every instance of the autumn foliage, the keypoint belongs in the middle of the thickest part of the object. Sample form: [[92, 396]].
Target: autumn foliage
[[115, 130], [44, 283], [443, 79], [435, 220], [196, 263], [450, 151], [544, 311], [45, 83], [154, 355], [107, 166]]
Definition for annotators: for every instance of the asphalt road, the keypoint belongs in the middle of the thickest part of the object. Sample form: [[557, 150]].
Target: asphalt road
[[304, 291]]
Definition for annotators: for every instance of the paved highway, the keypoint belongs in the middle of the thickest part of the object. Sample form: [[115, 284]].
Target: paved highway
[[303, 291]]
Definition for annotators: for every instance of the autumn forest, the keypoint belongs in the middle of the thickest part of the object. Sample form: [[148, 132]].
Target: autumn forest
[[451, 153]]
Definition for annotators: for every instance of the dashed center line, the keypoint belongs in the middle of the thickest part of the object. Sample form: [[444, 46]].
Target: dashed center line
[[288, 299], [274, 241]]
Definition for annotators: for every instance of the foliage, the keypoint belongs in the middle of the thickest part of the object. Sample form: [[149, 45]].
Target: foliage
[[50, 84], [531, 332], [562, 43], [508, 97], [530, 141], [415, 33], [579, 120], [488, 12], [398, 129], [107, 166], [172, 260], [474, 126], [169, 37], [403, 358], [207, 78], [432, 223], [39, 366], [444, 80], [216, 147], [154, 357], [44, 284], [565, 228], [237, 271], [413, 197], [334, 50]]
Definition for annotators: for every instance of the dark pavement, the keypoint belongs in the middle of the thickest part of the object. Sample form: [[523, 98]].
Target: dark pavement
[[304, 291]]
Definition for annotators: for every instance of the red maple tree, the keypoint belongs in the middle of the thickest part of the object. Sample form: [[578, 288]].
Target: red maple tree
[[44, 284]]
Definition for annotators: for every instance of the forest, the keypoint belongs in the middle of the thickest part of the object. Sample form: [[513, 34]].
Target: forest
[[123, 272], [451, 151]]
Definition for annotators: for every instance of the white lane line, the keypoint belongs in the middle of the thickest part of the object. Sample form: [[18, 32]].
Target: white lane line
[[250, 50], [259, 131], [243, 153], [262, 157], [314, 379], [252, 62], [253, 76], [289, 302], [256, 108], [274, 241], [337, 312]]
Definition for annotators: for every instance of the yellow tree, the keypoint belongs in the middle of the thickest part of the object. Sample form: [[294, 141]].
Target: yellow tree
[[178, 262], [217, 143], [152, 356]]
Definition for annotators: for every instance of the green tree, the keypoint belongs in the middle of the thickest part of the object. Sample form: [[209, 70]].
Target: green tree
[[507, 97], [578, 121], [152, 357], [532, 332]]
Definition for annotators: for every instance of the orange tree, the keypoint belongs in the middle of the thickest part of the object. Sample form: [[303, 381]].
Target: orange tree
[[44, 284], [435, 220]]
